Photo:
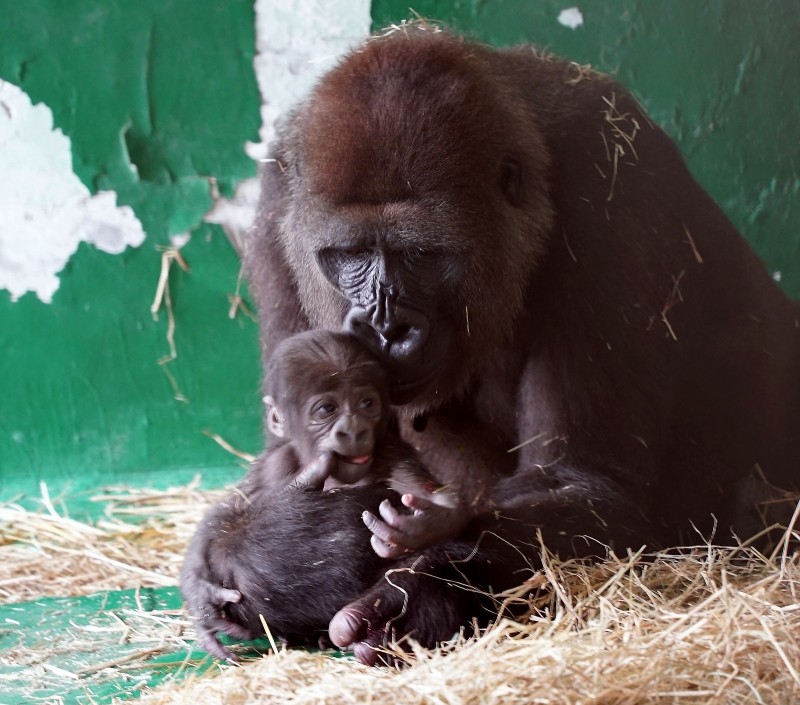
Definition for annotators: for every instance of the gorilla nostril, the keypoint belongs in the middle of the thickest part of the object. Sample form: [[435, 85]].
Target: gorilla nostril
[[398, 333]]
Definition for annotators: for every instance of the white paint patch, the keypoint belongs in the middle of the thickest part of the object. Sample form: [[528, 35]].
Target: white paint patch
[[572, 18], [236, 214], [777, 276], [45, 210], [180, 240], [296, 41]]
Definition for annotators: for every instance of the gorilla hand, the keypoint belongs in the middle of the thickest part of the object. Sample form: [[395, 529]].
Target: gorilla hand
[[396, 533], [206, 604], [313, 475], [420, 597]]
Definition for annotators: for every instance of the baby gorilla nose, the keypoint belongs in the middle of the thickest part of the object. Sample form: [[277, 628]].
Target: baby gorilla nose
[[353, 430]]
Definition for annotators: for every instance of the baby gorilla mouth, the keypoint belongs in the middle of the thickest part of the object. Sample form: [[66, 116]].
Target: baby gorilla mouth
[[351, 469], [354, 459]]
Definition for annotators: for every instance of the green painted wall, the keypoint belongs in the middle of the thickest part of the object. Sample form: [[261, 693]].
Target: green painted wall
[[166, 85]]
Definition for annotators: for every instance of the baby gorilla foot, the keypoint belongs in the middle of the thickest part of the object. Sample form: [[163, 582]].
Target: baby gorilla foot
[[351, 628], [403, 603]]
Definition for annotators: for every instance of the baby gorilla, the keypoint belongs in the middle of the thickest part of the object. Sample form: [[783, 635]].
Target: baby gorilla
[[328, 406], [329, 420]]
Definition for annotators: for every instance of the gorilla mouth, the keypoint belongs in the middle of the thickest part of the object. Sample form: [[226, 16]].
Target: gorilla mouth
[[354, 459], [352, 469], [410, 382]]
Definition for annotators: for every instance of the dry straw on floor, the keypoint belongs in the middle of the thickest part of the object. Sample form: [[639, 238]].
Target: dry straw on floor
[[711, 626], [704, 625], [139, 542]]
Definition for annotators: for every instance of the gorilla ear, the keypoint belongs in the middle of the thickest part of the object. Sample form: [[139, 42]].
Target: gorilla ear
[[274, 418], [511, 179]]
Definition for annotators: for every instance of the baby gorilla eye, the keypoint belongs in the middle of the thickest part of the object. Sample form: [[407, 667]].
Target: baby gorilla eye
[[324, 410], [370, 404]]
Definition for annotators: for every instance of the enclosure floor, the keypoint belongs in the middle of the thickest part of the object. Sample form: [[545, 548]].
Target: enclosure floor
[[102, 645], [39, 660]]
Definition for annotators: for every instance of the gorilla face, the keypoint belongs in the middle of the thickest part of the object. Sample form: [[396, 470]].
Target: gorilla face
[[395, 301]]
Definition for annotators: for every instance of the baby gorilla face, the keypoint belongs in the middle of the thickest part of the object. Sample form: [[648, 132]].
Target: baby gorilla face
[[344, 420]]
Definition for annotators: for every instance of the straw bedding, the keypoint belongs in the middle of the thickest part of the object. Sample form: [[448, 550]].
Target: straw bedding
[[699, 625]]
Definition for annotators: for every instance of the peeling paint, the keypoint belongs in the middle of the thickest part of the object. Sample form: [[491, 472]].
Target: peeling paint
[[572, 18], [296, 41], [180, 240], [236, 214], [47, 211]]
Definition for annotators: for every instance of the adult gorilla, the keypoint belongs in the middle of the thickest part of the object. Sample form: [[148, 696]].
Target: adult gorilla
[[578, 339]]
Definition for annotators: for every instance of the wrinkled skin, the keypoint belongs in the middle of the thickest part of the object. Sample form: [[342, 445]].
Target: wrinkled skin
[[578, 340]]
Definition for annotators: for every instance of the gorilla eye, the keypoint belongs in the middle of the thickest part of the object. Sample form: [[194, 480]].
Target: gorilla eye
[[342, 264], [370, 404], [414, 255], [323, 410]]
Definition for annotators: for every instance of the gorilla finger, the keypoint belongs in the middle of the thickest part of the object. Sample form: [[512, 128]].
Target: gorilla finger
[[209, 643], [223, 595], [313, 476], [365, 653], [387, 550], [348, 625], [413, 501], [326, 461], [237, 631], [389, 514], [382, 530]]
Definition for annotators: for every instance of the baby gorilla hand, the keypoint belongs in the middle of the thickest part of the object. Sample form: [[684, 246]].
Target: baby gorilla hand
[[314, 475], [396, 533], [207, 605]]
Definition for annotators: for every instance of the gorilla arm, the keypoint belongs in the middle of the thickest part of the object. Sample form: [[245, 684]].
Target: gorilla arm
[[564, 508], [204, 593], [517, 504]]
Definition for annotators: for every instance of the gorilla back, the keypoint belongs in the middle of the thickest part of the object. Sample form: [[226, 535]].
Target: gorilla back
[[576, 334]]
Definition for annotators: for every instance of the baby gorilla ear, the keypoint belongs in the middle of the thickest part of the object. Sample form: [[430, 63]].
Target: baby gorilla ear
[[274, 418]]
